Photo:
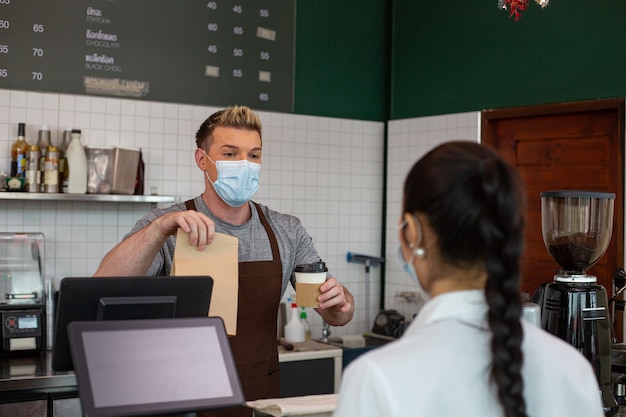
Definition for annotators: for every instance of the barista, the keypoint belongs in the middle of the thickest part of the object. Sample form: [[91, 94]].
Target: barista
[[271, 244]]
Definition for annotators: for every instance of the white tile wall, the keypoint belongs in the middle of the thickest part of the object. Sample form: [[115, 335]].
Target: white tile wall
[[326, 171], [408, 140]]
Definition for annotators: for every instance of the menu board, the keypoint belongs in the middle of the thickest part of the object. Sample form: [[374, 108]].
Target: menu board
[[215, 52]]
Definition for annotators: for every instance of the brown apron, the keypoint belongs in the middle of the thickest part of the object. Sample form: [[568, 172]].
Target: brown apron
[[255, 347]]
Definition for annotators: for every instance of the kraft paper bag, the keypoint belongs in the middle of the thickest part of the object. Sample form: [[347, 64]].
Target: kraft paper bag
[[219, 261]]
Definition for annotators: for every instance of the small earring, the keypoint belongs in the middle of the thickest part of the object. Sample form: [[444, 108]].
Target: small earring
[[420, 252]]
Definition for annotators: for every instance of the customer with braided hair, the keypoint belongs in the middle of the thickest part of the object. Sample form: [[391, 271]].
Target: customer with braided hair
[[468, 352]]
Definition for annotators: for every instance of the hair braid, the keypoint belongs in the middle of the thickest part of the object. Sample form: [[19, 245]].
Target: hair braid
[[501, 235]]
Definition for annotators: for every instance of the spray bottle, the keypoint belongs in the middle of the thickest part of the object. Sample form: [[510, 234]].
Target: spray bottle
[[305, 323]]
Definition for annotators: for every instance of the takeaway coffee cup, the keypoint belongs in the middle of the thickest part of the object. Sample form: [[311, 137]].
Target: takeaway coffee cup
[[309, 278]]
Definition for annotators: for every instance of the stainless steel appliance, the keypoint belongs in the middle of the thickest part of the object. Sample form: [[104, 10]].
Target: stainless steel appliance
[[576, 228], [22, 298], [389, 323]]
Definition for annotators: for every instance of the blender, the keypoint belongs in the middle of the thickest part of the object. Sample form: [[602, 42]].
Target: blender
[[22, 295], [576, 228]]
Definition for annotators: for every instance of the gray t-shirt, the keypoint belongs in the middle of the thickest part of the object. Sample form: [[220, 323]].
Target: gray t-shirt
[[294, 243]]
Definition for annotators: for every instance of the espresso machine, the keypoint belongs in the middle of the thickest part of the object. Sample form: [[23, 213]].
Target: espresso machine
[[576, 228]]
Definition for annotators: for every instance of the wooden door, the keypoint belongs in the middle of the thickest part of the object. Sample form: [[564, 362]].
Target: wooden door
[[571, 146]]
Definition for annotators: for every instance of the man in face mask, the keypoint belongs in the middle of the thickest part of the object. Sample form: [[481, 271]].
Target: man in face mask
[[271, 244]]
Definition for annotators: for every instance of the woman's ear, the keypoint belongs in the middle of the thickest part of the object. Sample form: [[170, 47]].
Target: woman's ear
[[412, 231]]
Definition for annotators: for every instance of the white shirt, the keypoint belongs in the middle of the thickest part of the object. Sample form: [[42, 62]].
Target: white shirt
[[441, 368]]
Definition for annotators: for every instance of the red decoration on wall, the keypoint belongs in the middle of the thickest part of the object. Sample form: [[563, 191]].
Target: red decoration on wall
[[515, 7]]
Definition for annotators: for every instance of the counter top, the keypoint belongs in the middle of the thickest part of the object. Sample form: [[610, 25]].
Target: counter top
[[308, 350], [33, 373]]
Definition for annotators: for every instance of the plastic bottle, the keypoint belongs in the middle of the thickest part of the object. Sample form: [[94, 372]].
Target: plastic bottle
[[294, 330], [531, 311], [43, 141], [76, 165], [18, 153], [305, 323]]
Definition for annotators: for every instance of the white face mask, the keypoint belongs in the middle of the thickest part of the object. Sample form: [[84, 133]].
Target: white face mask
[[237, 181], [408, 267]]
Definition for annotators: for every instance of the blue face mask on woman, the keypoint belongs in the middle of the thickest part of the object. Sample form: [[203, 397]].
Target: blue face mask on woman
[[237, 181]]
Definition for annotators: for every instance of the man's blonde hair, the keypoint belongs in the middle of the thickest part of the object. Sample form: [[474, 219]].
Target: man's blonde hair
[[239, 117]]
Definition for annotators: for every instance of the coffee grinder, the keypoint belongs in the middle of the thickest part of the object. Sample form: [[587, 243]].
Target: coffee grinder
[[576, 228]]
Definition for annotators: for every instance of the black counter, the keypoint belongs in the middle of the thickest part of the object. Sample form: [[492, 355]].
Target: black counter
[[32, 373], [30, 388]]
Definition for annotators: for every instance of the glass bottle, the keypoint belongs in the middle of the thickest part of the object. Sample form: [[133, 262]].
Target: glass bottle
[[33, 174], [43, 141], [63, 171], [18, 153], [51, 173]]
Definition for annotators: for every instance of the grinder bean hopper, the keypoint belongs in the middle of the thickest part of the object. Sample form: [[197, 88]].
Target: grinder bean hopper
[[576, 228]]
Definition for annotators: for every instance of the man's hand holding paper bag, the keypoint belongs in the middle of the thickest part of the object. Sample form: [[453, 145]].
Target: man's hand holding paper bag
[[219, 261]]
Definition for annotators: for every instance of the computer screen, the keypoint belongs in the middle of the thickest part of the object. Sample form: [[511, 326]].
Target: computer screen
[[128, 298], [140, 367]]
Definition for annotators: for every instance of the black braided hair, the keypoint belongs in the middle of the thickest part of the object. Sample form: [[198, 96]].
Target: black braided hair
[[473, 201]]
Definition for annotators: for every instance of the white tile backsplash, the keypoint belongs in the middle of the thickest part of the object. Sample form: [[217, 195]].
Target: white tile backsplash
[[408, 140], [326, 171]]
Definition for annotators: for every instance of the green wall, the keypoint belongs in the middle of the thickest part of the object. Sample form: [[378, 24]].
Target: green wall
[[457, 56], [342, 58]]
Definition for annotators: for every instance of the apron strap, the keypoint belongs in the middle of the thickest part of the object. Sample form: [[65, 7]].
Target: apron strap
[[270, 234], [190, 205]]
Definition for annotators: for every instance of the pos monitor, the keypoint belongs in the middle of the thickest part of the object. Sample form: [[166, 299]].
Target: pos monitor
[[124, 298], [151, 367]]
